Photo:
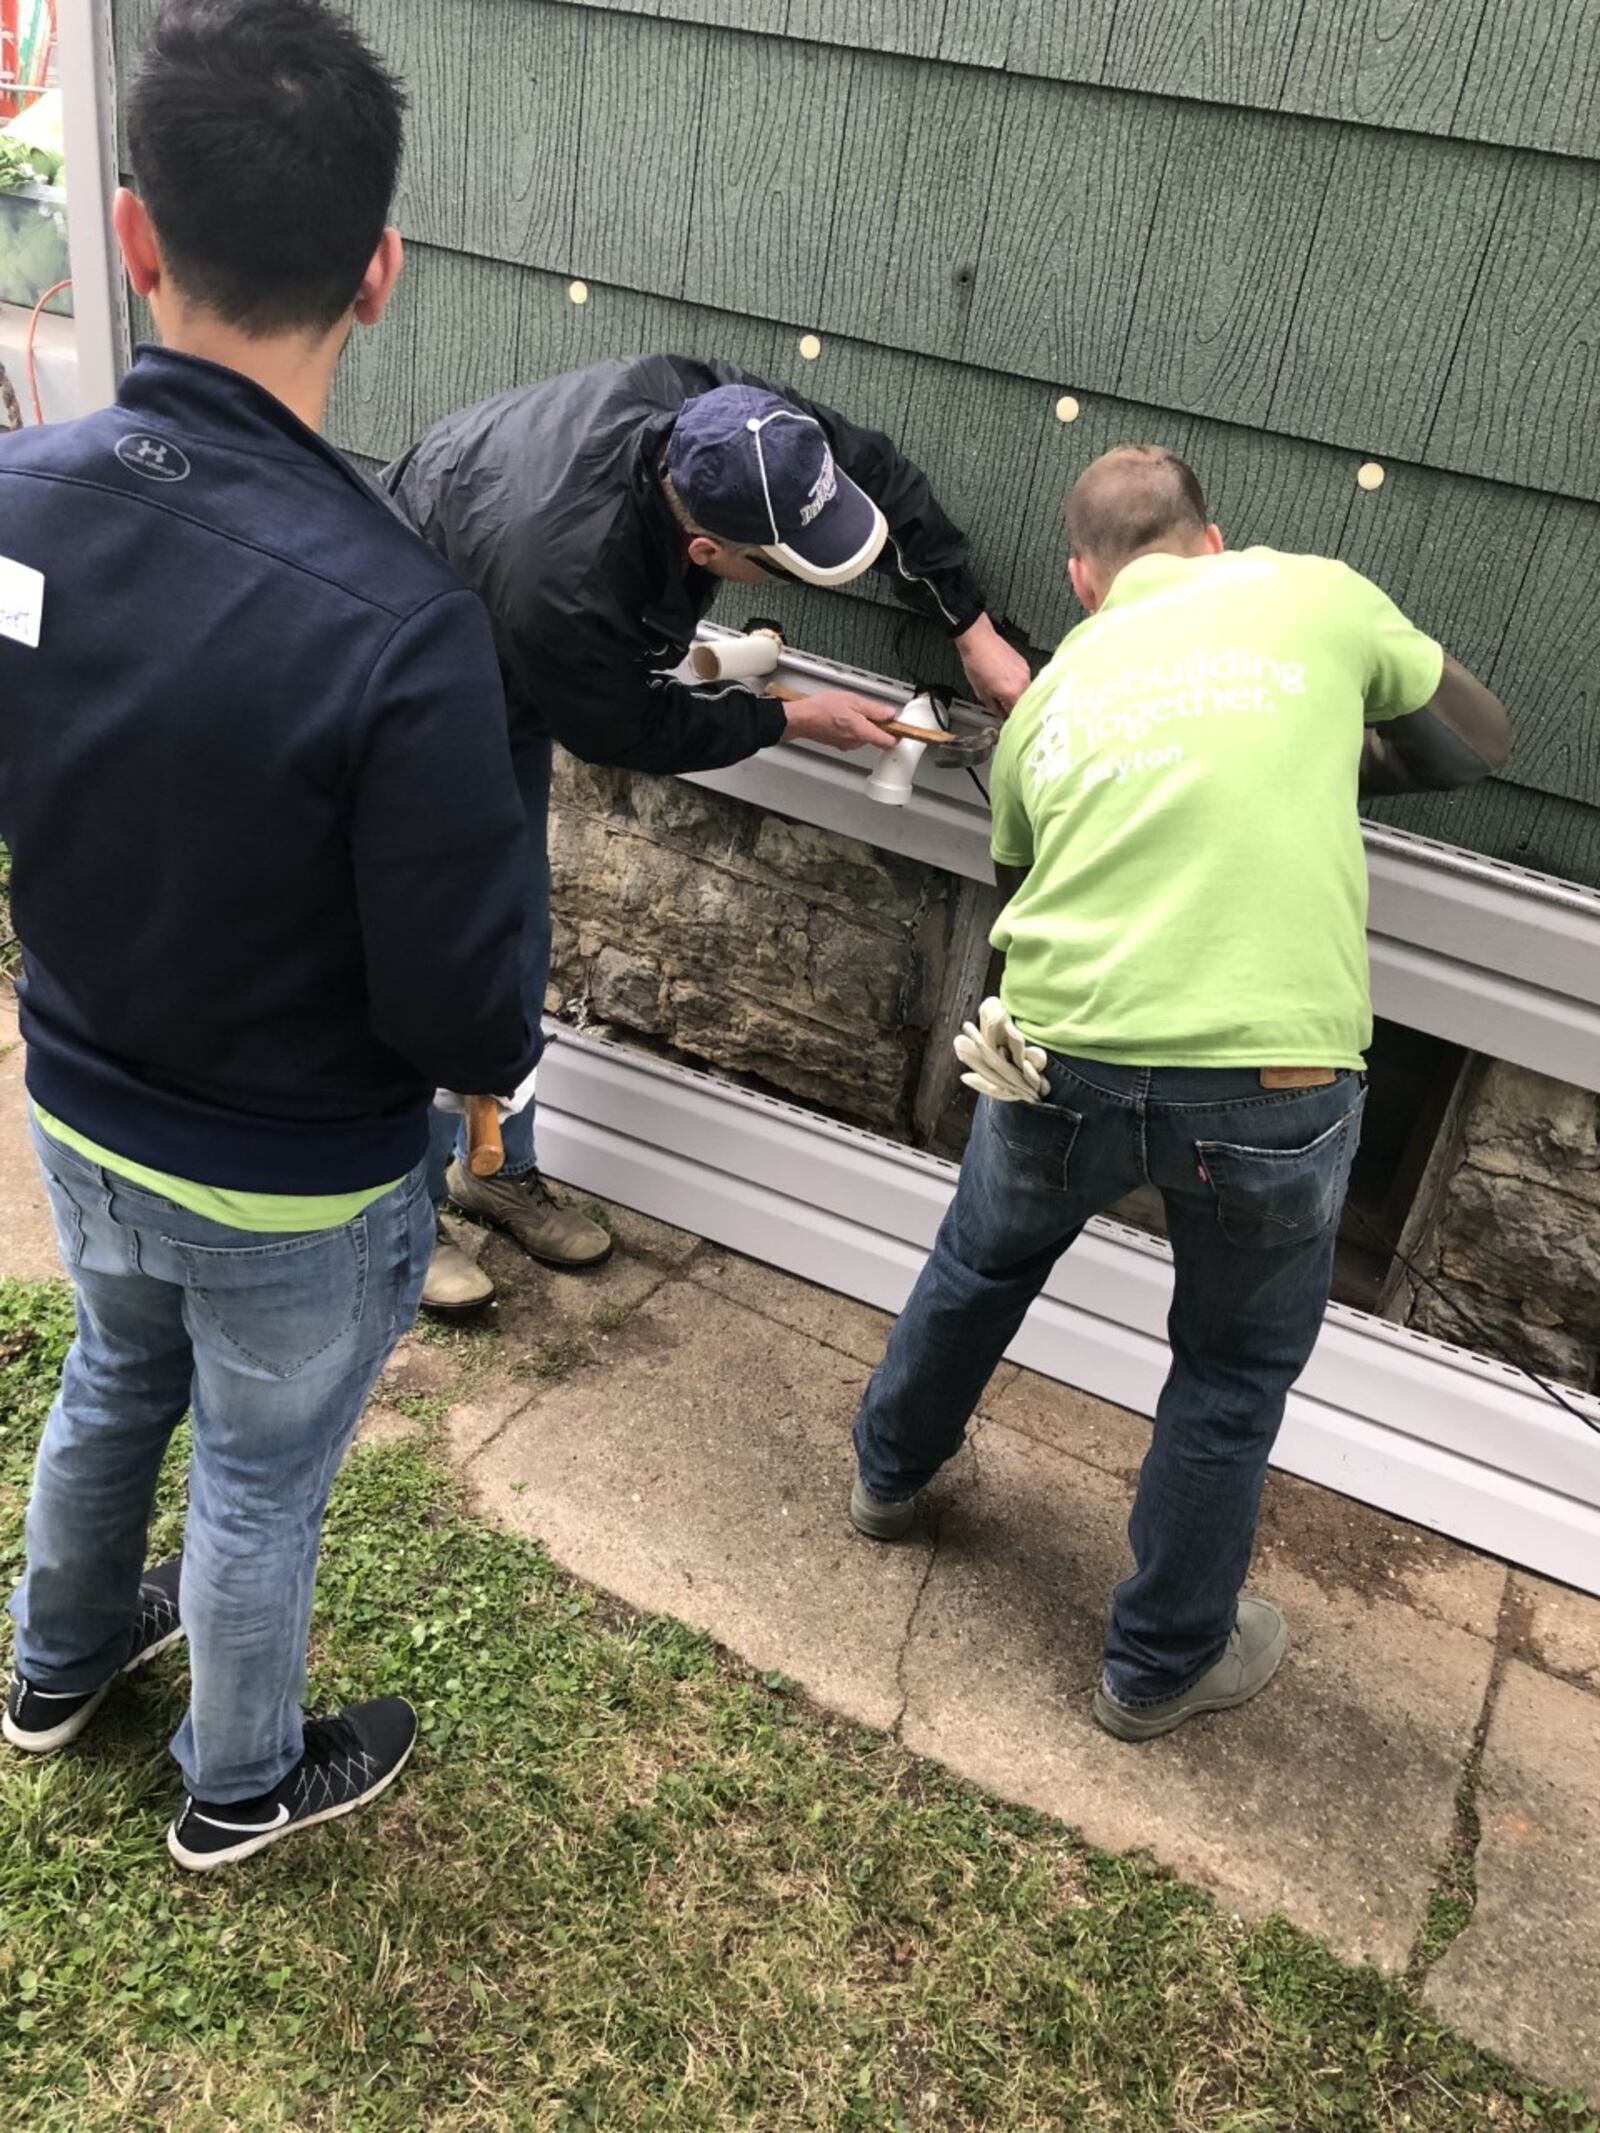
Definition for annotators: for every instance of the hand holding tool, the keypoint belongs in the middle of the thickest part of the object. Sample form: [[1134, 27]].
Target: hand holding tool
[[946, 750], [1001, 1063]]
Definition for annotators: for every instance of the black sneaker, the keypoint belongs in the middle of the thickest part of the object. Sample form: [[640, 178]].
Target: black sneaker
[[39, 1722], [350, 1758]]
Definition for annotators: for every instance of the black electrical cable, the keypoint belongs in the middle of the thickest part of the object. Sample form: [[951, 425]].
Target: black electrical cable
[[1484, 1340]]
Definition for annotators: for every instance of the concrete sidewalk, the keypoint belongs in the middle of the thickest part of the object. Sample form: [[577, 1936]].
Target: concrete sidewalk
[[675, 1429]]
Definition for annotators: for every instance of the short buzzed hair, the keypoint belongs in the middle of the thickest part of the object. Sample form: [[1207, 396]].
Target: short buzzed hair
[[1131, 500]]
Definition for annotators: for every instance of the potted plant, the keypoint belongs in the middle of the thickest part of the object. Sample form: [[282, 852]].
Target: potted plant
[[33, 206]]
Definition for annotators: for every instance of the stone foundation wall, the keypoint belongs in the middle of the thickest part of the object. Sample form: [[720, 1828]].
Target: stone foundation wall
[[757, 946], [1518, 1240]]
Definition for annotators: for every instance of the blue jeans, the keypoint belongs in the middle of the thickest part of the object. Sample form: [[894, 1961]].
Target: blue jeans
[[530, 760], [272, 1343], [1253, 1182]]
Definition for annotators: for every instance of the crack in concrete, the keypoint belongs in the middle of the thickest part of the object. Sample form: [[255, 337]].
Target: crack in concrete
[[804, 1333], [934, 1523], [1453, 1897]]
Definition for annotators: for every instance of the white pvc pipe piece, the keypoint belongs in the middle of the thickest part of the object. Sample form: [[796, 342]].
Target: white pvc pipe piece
[[737, 658], [891, 781]]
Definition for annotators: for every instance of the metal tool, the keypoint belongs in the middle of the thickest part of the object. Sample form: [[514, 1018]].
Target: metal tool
[[952, 751], [948, 750]]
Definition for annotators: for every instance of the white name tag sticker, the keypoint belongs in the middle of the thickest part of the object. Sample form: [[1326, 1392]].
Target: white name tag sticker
[[21, 602]]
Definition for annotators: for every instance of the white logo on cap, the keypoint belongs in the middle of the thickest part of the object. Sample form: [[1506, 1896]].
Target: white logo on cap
[[826, 489], [152, 457]]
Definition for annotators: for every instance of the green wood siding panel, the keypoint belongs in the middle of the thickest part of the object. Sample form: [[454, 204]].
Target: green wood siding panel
[[1535, 76], [1408, 297], [469, 333], [1519, 403], [1404, 230], [1221, 51], [771, 132], [130, 25], [765, 16], [527, 114], [1239, 205], [1450, 552], [373, 407], [865, 25], [1529, 829], [642, 94], [1521, 73], [1548, 669], [1040, 597], [1395, 63], [429, 48], [872, 385], [1075, 187], [1064, 39], [556, 334], [1271, 492], [907, 232], [977, 436]]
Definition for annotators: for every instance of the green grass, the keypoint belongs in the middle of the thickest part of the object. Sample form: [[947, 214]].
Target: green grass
[[627, 1885], [10, 953], [1454, 1896]]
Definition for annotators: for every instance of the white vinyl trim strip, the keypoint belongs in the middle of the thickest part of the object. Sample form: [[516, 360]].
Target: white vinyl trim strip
[[99, 297], [1490, 956], [1413, 1426]]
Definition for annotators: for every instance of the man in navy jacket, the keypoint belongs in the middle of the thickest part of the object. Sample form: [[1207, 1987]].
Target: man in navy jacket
[[255, 782]]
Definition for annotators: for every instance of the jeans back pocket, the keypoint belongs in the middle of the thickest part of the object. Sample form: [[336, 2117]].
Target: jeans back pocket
[[277, 1306], [1268, 1197], [1037, 1139]]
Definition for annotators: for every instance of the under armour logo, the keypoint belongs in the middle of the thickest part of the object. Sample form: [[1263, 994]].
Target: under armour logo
[[152, 457]]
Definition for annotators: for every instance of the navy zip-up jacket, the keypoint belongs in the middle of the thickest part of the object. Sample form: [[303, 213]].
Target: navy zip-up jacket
[[267, 855]]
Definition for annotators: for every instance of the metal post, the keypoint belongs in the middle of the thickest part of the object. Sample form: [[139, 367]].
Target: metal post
[[99, 293]]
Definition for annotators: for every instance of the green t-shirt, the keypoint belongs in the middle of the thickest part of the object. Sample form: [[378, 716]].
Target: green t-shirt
[[270, 1213], [1180, 782]]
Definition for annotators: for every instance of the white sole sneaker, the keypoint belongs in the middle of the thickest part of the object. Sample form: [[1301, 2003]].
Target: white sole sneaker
[[54, 1737], [255, 1836]]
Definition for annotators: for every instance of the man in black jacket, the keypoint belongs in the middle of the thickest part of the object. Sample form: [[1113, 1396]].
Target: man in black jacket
[[267, 877], [596, 514]]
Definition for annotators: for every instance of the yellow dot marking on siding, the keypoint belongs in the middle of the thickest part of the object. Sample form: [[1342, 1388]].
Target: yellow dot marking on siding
[[1369, 475], [810, 347], [578, 291], [1067, 409]]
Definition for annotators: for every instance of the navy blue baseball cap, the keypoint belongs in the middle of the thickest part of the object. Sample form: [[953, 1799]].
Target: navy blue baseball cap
[[750, 468]]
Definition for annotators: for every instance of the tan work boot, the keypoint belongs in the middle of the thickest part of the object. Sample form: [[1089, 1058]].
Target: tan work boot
[[1254, 1654], [455, 1285], [525, 1208]]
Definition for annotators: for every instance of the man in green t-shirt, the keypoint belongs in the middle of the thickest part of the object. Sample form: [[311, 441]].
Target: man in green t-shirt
[[1185, 1005]]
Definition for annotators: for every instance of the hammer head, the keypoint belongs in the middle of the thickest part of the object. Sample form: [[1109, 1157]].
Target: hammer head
[[965, 751]]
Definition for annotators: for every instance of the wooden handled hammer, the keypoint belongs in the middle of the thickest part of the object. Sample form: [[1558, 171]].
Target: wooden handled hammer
[[486, 1153]]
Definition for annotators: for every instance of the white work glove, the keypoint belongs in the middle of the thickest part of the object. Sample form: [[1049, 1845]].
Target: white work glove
[[508, 1106], [1001, 1062]]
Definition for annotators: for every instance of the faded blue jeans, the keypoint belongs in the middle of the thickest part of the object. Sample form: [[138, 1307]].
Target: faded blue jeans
[[530, 761], [273, 1343], [1253, 1182]]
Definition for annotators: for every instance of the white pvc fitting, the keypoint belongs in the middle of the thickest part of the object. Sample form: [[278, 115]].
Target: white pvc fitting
[[891, 781], [736, 658]]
